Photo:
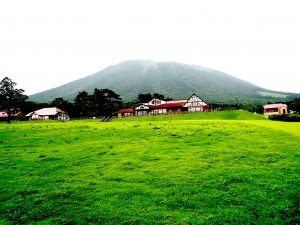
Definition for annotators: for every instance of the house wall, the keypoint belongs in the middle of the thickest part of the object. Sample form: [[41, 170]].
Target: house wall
[[62, 116], [283, 110], [273, 111], [195, 109], [34, 116], [49, 117], [123, 115], [174, 110], [141, 113], [158, 111], [43, 117]]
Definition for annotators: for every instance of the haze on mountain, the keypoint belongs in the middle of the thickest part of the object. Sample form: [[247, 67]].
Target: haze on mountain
[[171, 79]]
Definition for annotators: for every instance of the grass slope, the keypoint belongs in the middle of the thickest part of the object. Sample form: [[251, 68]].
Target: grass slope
[[205, 168], [174, 80]]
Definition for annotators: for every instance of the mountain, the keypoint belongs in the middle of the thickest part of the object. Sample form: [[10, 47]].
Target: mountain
[[172, 79]]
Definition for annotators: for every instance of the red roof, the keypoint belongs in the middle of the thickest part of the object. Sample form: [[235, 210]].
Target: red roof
[[168, 105], [126, 111], [274, 106]]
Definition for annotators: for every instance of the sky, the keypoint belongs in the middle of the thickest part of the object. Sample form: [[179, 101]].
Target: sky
[[45, 44]]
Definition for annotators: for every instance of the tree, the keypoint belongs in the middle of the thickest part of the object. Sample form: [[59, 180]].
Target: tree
[[64, 105], [81, 103], [295, 105], [142, 98], [30, 106], [129, 105], [103, 102], [59, 103], [158, 96], [10, 98]]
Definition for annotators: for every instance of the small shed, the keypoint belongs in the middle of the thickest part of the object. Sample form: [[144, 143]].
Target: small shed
[[125, 113], [271, 109]]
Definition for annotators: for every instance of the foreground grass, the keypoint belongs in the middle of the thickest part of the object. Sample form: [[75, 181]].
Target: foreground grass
[[151, 170]]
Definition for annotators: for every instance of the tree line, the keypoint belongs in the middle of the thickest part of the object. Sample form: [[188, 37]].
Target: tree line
[[102, 102]]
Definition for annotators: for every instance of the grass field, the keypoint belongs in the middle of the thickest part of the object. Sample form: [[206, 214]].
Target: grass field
[[230, 167]]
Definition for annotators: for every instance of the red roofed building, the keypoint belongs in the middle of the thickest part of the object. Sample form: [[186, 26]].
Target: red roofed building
[[52, 113], [158, 106], [278, 108], [125, 113]]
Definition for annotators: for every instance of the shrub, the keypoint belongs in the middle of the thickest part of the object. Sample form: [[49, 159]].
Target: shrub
[[285, 117]]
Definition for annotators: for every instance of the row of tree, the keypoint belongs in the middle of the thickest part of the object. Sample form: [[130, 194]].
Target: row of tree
[[102, 102]]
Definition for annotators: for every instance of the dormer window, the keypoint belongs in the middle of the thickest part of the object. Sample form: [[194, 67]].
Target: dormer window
[[156, 102]]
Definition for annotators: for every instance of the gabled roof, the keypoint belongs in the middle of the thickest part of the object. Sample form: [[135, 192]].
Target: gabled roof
[[155, 100], [126, 111], [274, 106], [195, 100], [47, 111], [142, 107]]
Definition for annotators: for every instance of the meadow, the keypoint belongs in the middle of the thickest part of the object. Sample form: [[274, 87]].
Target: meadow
[[230, 167]]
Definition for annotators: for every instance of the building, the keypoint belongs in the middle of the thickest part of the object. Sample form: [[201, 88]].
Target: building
[[271, 109], [52, 113], [125, 113], [161, 107], [4, 116]]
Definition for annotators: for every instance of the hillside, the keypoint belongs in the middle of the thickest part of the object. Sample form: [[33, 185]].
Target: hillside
[[172, 79]]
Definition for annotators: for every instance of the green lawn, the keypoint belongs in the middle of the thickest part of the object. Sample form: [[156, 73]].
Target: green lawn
[[229, 167]]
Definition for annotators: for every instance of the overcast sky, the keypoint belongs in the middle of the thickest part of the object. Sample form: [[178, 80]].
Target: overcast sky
[[45, 44]]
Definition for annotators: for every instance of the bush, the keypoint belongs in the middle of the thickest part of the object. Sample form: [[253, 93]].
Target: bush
[[285, 117]]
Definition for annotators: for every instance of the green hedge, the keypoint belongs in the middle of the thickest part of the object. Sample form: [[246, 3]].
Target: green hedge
[[286, 117]]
